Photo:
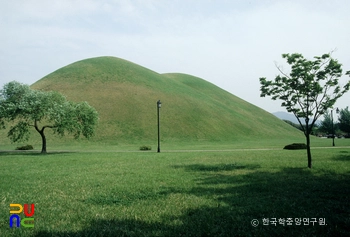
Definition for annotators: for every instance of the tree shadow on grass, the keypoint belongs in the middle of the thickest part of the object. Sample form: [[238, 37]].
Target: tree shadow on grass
[[343, 156], [33, 153], [124, 198], [240, 198], [118, 197], [215, 168]]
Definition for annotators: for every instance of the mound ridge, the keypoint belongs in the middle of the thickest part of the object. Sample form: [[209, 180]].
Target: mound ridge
[[125, 95]]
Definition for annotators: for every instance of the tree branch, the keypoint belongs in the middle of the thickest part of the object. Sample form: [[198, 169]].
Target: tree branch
[[301, 125], [42, 128], [279, 69]]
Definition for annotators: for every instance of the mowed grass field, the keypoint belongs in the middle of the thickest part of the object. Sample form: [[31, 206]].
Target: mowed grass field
[[178, 192]]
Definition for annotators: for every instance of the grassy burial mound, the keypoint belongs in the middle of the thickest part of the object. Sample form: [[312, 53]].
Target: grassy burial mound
[[125, 96]]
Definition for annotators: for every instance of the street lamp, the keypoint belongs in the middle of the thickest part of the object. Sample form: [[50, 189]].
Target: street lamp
[[159, 105]]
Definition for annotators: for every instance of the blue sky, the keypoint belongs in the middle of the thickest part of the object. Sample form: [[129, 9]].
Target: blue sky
[[229, 43]]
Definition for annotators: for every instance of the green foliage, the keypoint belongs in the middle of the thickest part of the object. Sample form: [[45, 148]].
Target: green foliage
[[76, 119], [19, 132], [28, 108], [25, 147], [327, 124], [295, 146], [145, 148], [344, 120], [311, 88]]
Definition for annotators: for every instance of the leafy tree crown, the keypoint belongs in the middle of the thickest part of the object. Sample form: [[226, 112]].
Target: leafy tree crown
[[27, 108], [311, 87]]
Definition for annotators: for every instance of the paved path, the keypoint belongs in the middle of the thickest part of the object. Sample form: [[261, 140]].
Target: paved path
[[168, 151]]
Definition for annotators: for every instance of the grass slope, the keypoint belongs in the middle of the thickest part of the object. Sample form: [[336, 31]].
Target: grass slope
[[125, 96]]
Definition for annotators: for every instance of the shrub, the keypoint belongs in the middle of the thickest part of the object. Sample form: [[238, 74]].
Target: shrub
[[145, 148], [295, 146], [26, 147]]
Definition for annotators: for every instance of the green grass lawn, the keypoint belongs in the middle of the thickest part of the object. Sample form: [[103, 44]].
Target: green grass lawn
[[108, 193]]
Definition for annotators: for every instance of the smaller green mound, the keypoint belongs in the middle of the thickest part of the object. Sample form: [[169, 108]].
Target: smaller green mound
[[295, 146]]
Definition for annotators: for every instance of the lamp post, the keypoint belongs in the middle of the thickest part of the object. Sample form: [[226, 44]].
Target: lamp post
[[159, 105]]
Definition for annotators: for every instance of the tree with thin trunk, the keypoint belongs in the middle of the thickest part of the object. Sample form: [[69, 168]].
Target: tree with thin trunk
[[311, 87], [24, 108]]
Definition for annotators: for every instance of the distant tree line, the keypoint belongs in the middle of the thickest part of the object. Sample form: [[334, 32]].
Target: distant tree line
[[342, 127], [328, 126], [314, 130]]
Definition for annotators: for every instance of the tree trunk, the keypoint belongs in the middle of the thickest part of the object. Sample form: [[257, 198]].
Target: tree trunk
[[307, 135], [308, 151], [43, 139]]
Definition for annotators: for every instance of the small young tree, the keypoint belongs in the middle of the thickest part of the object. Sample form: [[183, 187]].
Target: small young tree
[[344, 120], [39, 109], [311, 87]]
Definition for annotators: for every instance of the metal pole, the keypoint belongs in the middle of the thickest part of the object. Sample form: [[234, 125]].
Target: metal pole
[[158, 104]]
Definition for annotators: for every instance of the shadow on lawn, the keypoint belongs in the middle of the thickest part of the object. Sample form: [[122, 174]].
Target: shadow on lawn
[[289, 193], [343, 156], [216, 168], [32, 153]]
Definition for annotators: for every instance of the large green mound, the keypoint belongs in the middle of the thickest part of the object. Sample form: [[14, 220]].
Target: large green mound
[[125, 96]]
